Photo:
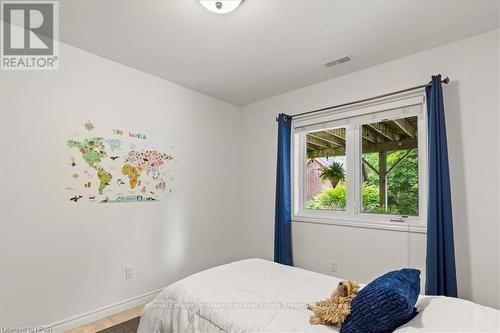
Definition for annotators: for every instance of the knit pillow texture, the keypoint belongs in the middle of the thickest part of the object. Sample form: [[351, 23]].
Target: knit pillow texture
[[385, 304]]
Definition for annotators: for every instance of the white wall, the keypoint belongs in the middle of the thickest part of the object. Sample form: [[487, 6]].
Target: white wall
[[472, 107], [60, 259]]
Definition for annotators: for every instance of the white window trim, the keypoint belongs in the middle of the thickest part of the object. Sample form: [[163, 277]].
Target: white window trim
[[352, 117]]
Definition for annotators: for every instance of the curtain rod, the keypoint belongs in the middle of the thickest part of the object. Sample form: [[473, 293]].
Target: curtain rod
[[446, 80]]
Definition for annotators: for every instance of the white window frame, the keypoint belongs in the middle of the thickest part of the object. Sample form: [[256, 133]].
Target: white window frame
[[352, 118]]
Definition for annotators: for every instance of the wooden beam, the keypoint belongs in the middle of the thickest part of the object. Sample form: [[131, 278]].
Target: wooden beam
[[312, 146], [370, 166], [383, 130], [365, 142], [368, 134], [321, 151], [326, 136], [337, 132], [390, 146], [399, 161], [317, 142], [406, 127], [338, 151], [364, 173], [382, 179]]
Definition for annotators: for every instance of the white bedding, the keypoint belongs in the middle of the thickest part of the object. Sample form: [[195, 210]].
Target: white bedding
[[256, 295]]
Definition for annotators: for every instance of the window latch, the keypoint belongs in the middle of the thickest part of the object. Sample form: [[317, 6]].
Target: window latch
[[400, 219]]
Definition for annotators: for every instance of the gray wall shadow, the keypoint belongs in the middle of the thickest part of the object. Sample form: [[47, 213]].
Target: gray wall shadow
[[456, 156]]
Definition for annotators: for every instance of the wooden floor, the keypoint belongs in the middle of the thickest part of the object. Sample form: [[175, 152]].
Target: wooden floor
[[123, 322], [130, 326]]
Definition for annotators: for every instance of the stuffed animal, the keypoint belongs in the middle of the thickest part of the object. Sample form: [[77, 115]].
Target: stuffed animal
[[334, 310]]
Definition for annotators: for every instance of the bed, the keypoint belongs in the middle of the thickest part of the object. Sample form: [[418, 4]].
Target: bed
[[256, 295]]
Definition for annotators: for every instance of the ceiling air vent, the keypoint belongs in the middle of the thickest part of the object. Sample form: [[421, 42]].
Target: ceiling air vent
[[338, 61]]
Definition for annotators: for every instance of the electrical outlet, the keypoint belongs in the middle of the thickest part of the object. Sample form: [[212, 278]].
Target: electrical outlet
[[333, 266], [129, 272]]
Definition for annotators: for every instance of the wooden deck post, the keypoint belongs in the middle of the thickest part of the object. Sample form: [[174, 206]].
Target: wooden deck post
[[382, 178]]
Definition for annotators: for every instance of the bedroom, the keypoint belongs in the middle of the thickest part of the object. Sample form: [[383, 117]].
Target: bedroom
[[182, 178]]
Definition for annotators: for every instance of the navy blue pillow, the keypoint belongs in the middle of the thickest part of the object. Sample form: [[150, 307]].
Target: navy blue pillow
[[384, 304]]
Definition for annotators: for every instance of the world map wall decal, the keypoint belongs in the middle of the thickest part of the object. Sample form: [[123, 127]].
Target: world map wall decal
[[117, 166]]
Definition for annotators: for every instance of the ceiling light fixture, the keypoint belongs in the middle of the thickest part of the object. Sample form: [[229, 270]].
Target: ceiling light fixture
[[221, 6]]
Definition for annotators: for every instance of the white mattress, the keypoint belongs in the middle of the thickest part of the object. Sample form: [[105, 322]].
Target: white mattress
[[256, 295]]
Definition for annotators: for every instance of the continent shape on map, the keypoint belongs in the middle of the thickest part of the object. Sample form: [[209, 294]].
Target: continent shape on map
[[132, 173], [104, 179], [114, 144], [150, 161], [92, 150]]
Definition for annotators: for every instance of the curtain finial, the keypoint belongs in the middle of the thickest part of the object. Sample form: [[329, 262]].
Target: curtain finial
[[285, 117]]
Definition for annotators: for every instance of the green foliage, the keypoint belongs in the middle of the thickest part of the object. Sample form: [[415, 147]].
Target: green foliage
[[402, 183], [331, 198], [402, 187], [333, 173], [370, 197], [335, 198]]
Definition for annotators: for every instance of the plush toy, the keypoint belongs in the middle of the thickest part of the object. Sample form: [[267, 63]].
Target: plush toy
[[334, 310]]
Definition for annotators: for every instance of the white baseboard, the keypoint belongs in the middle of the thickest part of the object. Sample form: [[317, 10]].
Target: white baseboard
[[87, 317]]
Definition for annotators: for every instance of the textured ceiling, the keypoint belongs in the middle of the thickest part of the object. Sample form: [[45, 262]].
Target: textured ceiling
[[265, 47]]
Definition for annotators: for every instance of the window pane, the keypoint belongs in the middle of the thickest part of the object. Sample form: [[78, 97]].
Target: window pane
[[325, 170], [390, 167]]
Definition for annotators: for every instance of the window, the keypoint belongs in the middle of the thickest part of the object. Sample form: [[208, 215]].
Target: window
[[389, 166], [325, 169], [362, 166]]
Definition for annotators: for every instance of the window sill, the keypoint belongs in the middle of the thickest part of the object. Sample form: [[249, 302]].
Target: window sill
[[346, 222]]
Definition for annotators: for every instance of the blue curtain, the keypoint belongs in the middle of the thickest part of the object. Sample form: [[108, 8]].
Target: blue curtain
[[282, 217], [440, 262]]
